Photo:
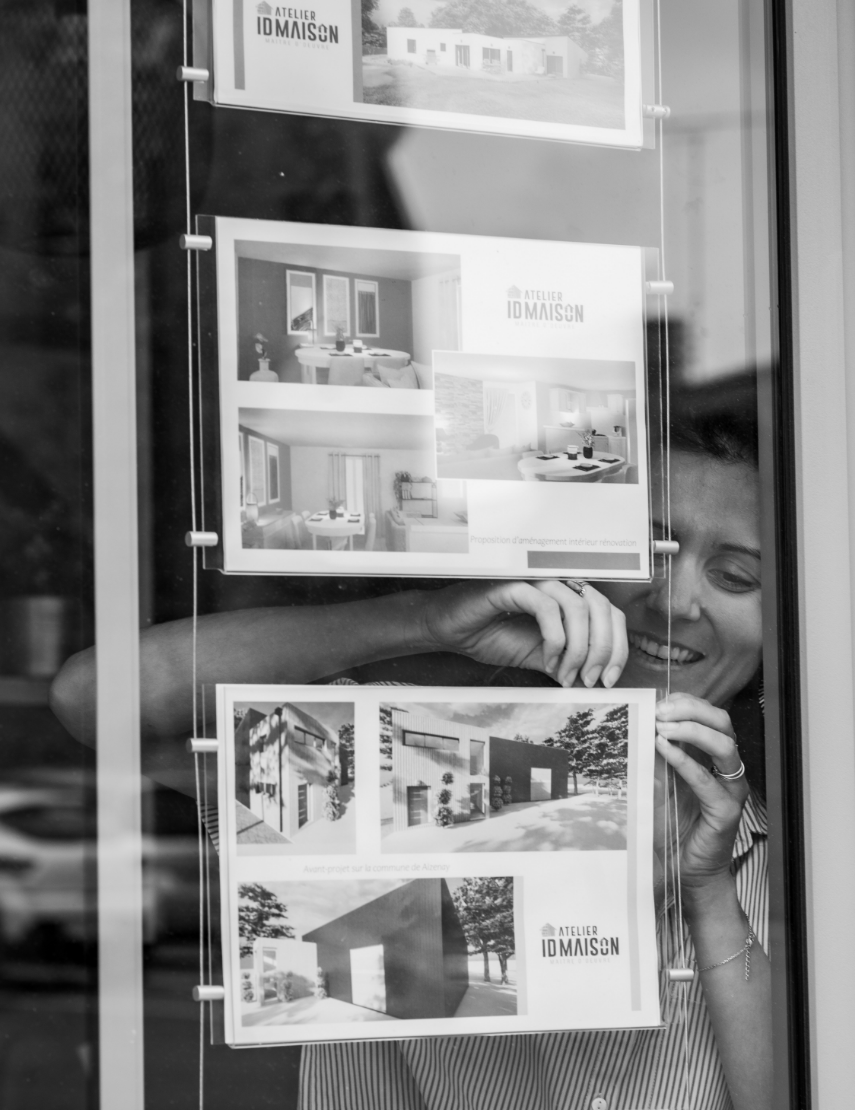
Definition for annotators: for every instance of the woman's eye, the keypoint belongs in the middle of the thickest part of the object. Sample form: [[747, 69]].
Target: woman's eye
[[733, 579]]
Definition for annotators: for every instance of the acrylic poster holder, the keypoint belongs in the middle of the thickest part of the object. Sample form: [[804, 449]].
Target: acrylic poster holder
[[237, 60], [528, 450]]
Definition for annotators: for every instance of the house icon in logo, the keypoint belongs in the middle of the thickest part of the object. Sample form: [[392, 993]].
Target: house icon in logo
[[264, 8], [548, 930], [514, 294]]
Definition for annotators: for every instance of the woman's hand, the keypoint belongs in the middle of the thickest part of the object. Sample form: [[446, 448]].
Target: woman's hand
[[708, 824], [542, 625]]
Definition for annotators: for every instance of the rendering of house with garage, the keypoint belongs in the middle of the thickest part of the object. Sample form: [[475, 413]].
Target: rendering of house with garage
[[286, 759], [547, 56], [401, 955], [426, 749]]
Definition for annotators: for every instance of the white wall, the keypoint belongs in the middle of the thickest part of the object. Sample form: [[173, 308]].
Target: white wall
[[310, 473], [435, 318]]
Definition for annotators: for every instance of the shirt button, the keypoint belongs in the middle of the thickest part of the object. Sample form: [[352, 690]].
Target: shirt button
[[599, 1103]]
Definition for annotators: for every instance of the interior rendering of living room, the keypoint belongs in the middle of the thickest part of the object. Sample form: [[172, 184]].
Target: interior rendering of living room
[[329, 315], [520, 418], [345, 481]]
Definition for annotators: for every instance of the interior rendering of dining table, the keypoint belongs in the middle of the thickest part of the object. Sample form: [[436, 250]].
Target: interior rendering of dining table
[[559, 467], [314, 358], [345, 526]]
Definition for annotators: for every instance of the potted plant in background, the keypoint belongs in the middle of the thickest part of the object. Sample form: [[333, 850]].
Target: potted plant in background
[[401, 477], [588, 449], [339, 338]]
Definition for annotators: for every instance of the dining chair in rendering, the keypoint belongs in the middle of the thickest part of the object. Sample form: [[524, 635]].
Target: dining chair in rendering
[[346, 370]]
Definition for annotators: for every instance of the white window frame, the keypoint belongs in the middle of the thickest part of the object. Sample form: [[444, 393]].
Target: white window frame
[[365, 285], [290, 315], [272, 452], [331, 280], [251, 475]]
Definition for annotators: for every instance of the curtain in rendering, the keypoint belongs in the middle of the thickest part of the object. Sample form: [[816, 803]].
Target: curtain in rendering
[[355, 479], [495, 402]]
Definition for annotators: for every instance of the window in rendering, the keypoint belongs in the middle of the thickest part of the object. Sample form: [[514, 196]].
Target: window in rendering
[[367, 309]]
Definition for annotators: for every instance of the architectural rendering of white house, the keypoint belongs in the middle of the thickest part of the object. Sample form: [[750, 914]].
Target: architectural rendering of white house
[[426, 748], [547, 56], [283, 762]]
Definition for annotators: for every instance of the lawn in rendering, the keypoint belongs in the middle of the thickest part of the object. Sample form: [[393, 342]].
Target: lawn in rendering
[[294, 778], [503, 778], [376, 950]]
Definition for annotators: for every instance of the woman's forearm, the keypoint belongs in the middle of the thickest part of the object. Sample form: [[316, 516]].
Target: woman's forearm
[[280, 645], [740, 1011]]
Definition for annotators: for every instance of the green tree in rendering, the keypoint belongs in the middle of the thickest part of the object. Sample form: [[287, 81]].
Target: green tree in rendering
[[406, 18], [347, 764], [603, 42], [260, 915], [332, 802], [608, 751], [494, 17], [575, 737], [372, 35], [385, 737], [496, 798], [520, 739], [576, 23], [486, 911]]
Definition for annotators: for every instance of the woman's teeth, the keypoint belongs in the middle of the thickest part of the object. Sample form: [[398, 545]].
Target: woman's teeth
[[657, 650]]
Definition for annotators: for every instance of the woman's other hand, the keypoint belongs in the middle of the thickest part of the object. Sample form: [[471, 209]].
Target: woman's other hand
[[708, 827], [542, 625]]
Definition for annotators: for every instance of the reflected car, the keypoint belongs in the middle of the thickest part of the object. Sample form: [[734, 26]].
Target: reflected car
[[48, 877]]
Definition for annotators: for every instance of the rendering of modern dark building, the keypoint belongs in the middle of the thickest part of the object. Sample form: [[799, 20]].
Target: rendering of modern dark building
[[425, 748], [403, 954], [282, 763]]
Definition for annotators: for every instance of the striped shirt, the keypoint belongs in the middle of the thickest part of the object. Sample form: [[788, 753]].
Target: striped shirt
[[646, 1069]]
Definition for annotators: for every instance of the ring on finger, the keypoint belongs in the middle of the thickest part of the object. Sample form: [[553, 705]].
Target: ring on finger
[[577, 585], [732, 777]]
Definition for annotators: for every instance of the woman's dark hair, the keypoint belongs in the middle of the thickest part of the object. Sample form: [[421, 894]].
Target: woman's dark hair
[[721, 426]]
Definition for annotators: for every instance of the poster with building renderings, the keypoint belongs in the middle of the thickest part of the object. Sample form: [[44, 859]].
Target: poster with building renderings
[[566, 70], [429, 861], [384, 402]]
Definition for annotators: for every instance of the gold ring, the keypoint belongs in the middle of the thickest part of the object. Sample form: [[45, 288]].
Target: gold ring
[[576, 586]]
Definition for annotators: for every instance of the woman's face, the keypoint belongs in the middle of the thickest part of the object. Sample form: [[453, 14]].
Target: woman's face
[[716, 624]]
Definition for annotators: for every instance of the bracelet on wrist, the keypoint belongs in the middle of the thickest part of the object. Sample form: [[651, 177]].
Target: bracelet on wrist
[[745, 951]]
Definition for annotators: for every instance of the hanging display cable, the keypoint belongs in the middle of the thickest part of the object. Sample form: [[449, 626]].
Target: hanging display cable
[[680, 977]]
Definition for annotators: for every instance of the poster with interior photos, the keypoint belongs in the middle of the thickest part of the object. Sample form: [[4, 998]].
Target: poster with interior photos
[[408, 403], [424, 861], [564, 70]]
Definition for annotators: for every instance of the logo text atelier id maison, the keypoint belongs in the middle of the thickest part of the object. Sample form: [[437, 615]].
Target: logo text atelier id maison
[[296, 24], [542, 306], [576, 940]]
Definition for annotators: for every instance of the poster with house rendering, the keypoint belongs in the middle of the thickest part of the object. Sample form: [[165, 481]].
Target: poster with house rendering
[[408, 403], [565, 70], [423, 861]]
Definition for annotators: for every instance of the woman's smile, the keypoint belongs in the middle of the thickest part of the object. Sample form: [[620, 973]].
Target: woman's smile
[[701, 625], [654, 651]]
